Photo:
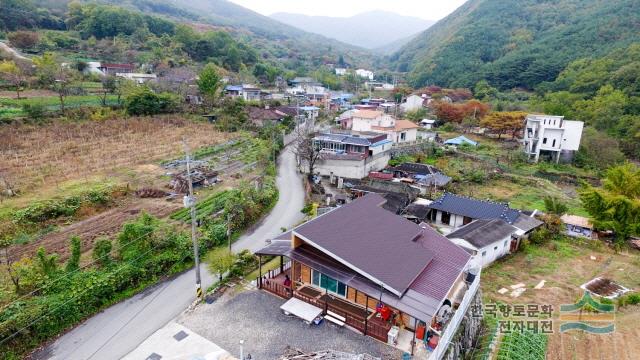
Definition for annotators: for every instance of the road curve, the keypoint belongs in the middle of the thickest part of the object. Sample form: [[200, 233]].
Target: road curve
[[285, 214], [118, 330]]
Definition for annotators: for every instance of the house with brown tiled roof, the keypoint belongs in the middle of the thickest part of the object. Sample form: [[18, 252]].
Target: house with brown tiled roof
[[377, 273], [397, 130]]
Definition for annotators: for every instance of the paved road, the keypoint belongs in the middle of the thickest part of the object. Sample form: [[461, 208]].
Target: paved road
[[286, 212], [121, 328]]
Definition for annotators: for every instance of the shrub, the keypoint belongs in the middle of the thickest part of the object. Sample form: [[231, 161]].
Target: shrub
[[34, 111], [102, 252], [74, 260], [23, 39], [143, 101]]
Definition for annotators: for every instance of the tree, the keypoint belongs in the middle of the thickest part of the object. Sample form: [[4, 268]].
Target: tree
[[484, 91], [23, 39], [74, 260], [48, 264], [604, 110], [143, 101], [46, 68], [555, 206], [232, 115], [109, 86], [220, 261], [500, 122], [61, 84], [305, 148], [12, 73], [209, 84], [598, 150], [102, 252], [616, 205]]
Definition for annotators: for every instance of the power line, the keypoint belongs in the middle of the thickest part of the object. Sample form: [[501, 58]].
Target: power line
[[68, 274], [73, 298]]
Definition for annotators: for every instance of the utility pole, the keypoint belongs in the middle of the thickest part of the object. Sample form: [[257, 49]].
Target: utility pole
[[190, 201]]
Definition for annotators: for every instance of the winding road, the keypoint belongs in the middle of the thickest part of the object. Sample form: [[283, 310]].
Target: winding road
[[116, 331]]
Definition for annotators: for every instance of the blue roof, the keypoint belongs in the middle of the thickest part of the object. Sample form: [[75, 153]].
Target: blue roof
[[233, 88], [309, 108], [459, 140], [475, 209]]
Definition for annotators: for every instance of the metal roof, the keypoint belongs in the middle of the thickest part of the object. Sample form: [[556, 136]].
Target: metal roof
[[276, 247], [371, 241], [481, 233], [475, 209]]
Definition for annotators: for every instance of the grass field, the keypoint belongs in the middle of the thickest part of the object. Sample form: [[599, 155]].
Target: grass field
[[13, 107], [565, 265]]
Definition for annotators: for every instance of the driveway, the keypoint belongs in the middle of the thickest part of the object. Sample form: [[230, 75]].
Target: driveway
[[255, 317], [285, 214]]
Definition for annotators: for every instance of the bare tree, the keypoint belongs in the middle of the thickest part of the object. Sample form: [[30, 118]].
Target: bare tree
[[307, 151]]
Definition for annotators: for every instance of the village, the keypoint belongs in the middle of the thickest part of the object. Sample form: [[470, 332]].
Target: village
[[178, 192]]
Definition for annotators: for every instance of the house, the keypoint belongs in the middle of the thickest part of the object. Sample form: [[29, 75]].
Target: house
[[398, 131], [428, 123], [454, 211], [577, 226], [304, 82], [341, 71], [377, 273], [397, 195], [310, 112], [367, 74], [552, 136], [114, 69], [460, 140], [261, 116], [351, 156], [137, 77], [425, 176], [247, 92], [487, 240], [412, 103]]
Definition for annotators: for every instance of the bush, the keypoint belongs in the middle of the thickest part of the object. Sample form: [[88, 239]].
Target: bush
[[102, 252], [34, 111], [143, 101], [23, 39]]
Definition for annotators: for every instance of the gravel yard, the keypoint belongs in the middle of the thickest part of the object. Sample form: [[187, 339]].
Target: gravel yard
[[255, 316]]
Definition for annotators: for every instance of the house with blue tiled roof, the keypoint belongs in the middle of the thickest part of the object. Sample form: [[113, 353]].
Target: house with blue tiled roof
[[456, 210]]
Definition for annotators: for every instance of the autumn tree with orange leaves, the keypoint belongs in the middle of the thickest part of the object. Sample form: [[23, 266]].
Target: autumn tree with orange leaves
[[501, 122]]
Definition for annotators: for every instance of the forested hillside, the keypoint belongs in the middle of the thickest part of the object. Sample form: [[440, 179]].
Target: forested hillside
[[516, 43]]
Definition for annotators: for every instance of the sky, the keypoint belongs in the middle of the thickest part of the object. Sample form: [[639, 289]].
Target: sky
[[426, 9]]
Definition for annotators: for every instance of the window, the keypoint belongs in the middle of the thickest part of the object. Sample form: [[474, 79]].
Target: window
[[328, 283], [495, 248], [505, 243], [554, 143], [484, 253], [544, 141], [403, 136]]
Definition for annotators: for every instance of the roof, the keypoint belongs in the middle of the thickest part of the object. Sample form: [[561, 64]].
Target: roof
[[361, 235], [260, 114], [576, 220], [475, 209], [415, 168], [526, 223], [380, 175], [276, 247], [459, 140], [436, 179], [309, 108], [367, 114], [419, 211], [427, 121], [481, 233], [233, 88], [405, 125], [289, 110]]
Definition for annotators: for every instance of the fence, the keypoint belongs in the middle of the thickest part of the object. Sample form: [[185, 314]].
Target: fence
[[451, 328]]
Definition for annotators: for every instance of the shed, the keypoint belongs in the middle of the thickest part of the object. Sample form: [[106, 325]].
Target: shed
[[460, 140]]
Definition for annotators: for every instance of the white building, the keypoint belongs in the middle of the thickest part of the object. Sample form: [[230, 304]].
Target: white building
[[413, 102], [486, 240], [553, 135], [137, 77], [341, 71], [398, 131], [367, 74]]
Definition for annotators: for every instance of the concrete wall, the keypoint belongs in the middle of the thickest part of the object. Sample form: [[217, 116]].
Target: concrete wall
[[455, 222], [352, 169]]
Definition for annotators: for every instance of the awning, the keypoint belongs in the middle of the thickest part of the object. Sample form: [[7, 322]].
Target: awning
[[276, 247], [301, 309]]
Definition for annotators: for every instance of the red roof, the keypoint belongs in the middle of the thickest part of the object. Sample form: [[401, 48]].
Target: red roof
[[380, 175]]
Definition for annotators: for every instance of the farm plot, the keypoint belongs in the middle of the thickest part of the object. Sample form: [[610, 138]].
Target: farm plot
[[105, 224], [37, 156]]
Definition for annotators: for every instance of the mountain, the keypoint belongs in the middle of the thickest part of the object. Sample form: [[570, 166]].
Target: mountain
[[279, 43], [370, 30], [516, 43]]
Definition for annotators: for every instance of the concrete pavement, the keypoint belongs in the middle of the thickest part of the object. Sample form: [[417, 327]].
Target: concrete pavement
[[119, 329], [285, 214]]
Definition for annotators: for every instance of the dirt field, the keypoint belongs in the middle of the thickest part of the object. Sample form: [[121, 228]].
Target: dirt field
[[106, 224], [27, 94], [42, 156], [565, 267]]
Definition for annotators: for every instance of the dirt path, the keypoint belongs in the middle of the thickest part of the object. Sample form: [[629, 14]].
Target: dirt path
[[107, 223]]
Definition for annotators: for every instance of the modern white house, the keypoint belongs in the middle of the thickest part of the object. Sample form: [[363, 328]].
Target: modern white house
[[412, 103], [486, 240], [551, 135], [368, 74]]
